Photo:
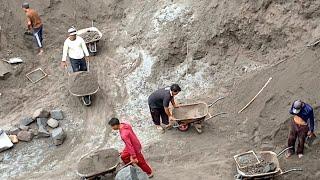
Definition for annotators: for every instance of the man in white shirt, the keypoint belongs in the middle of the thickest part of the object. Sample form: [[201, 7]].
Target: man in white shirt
[[75, 47]]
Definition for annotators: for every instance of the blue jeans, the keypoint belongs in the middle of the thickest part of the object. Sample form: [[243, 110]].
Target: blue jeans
[[78, 64], [37, 33]]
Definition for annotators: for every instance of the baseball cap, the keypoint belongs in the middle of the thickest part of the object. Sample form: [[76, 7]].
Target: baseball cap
[[72, 31], [25, 5], [297, 105]]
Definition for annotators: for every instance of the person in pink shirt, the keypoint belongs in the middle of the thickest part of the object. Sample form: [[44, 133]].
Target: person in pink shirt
[[132, 151]]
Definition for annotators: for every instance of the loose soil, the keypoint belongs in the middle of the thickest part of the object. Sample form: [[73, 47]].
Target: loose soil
[[247, 160], [257, 168], [98, 162], [90, 36], [82, 83]]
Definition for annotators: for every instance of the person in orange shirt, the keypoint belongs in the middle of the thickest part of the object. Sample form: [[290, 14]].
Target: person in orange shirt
[[34, 25]]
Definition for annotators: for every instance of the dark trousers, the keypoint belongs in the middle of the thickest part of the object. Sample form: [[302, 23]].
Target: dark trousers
[[37, 33], [156, 113], [78, 64], [299, 132]]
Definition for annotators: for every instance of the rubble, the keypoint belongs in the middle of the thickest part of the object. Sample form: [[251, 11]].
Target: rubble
[[40, 113], [25, 136], [56, 114], [23, 127], [42, 122], [58, 136], [14, 131], [34, 132], [5, 142], [5, 71], [26, 121], [42, 132], [53, 123], [14, 139]]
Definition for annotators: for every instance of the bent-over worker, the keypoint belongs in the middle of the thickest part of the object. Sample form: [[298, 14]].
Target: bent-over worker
[[132, 151], [301, 126], [159, 105], [34, 25]]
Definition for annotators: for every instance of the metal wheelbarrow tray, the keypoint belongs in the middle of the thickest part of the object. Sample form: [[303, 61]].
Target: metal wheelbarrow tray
[[83, 83], [266, 156], [90, 29], [90, 41], [192, 114], [92, 164]]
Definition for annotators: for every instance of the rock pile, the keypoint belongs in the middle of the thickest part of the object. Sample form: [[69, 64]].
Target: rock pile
[[42, 124]]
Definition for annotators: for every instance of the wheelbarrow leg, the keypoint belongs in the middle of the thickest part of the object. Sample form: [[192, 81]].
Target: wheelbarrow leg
[[198, 127]]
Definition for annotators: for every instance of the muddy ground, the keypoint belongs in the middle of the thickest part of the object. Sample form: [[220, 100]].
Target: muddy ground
[[211, 48]]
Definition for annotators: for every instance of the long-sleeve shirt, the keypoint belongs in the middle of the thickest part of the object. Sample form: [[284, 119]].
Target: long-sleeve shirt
[[76, 49], [33, 19], [306, 114], [132, 143]]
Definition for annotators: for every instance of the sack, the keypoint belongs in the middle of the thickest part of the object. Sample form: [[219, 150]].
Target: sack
[[131, 173]]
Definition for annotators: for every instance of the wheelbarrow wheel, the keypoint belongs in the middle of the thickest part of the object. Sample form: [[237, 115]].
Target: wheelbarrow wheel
[[183, 127]]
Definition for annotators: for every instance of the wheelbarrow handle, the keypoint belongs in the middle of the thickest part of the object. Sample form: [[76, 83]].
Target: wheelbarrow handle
[[284, 150], [126, 165], [220, 98], [290, 170], [218, 114]]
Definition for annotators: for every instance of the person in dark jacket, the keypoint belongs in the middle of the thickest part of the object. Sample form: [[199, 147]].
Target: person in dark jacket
[[132, 151], [159, 105], [302, 126]]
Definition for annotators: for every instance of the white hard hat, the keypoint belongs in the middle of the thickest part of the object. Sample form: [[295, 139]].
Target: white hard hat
[[72, 31]]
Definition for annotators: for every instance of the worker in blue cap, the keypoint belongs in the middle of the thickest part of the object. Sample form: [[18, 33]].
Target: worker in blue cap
[[301, 126]]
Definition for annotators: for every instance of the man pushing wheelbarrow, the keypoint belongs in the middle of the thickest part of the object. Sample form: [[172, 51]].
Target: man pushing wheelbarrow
[[75, 48]]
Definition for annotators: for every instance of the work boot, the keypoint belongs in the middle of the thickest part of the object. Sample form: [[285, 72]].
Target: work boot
[[150, 175], [86, 100]]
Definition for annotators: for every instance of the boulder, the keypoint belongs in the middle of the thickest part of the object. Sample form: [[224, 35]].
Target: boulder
[[23, 127], [14, 139], [14, 131], [40, 113], [58, 136], [56, 114], [26, 121], [5, 71], [42, 122], [42, 132], [25, 136], [5, 142], [53, 123], [131, 173]]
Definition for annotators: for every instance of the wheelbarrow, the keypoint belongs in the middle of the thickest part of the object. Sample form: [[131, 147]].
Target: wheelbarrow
[[98, 163], [83, 84], [268, 157], [91, 36], [193, 114]]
